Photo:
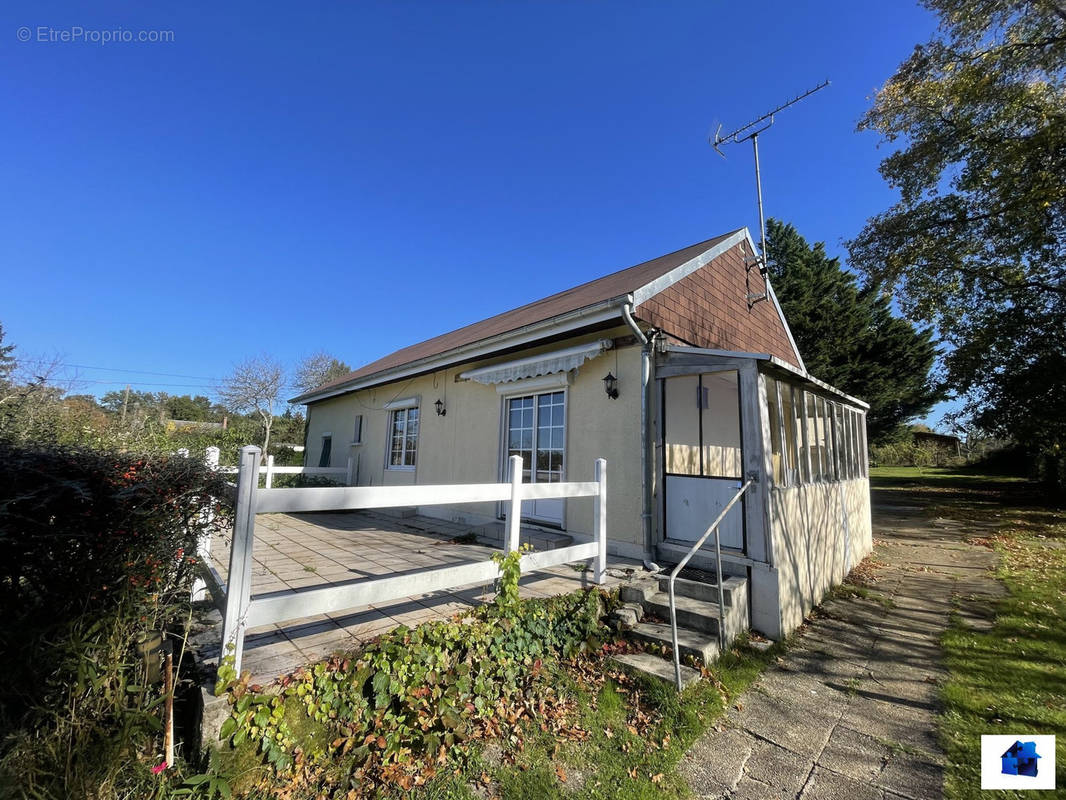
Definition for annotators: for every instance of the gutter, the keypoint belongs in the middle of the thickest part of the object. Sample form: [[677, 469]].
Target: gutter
[[646, 384]]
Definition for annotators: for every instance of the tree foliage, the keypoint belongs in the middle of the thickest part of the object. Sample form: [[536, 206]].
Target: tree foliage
[[318, 369], [255, 386], [848, 335], [7, 358], [977, 242]]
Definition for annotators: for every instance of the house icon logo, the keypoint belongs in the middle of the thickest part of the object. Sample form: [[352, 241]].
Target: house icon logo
[[1018, 761]]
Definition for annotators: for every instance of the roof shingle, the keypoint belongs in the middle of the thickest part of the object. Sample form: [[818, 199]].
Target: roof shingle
[[617, 284]]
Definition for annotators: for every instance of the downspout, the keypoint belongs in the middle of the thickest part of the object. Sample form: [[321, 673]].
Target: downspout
[[647, 346]]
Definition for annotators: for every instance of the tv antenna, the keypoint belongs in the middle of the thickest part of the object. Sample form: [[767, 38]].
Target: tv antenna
[[742, 134]]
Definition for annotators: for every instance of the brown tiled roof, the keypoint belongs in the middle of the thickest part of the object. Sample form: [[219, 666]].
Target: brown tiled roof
[[709, 308], [608, 287]]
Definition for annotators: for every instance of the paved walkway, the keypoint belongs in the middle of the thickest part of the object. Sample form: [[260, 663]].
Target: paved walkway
[[850, 712]]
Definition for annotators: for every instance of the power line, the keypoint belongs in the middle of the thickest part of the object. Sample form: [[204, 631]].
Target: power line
[[130, 371], [123, 382]]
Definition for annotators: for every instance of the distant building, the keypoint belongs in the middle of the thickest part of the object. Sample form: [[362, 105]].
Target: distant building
[[945, 444]]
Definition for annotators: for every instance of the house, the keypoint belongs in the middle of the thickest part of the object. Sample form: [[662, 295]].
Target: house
[[681, 372], [943, 446], [1020, 759]]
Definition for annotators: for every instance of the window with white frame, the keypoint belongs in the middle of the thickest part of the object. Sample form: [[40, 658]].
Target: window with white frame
[[357, 431], [403, 437], [326, 453]]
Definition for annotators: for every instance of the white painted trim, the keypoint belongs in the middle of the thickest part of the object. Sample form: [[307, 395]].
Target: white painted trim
[[522, 389], [605, 311], [773, 297], [777, 362], [404, 402], [649, 290], [559, 380]]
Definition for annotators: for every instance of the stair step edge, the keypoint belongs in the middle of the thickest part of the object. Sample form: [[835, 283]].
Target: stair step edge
[[696, 640], [692, 604], [657, 667]]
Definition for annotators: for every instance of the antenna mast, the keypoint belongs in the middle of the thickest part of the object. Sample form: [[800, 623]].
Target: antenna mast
[[742, 134]]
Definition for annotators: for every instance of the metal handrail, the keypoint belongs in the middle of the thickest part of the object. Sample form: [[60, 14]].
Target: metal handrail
[[718, 565]]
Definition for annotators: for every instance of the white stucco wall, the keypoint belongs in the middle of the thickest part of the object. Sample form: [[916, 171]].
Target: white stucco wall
[[464, 446], [820, 531]]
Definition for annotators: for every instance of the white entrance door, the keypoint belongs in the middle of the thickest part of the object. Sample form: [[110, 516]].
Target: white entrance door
[[536, 430]]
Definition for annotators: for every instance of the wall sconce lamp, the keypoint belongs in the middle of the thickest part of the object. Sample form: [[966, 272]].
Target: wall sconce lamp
[[610, 385], [441, 410]]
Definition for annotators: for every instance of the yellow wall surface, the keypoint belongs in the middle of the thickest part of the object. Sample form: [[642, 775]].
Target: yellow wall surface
[[810, 525], [464, 446]]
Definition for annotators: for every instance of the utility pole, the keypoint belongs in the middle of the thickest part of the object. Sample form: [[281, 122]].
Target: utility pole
[[125, 401]]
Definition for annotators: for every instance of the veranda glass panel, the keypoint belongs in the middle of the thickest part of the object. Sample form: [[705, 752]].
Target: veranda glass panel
[[776, 452], [790, 443]]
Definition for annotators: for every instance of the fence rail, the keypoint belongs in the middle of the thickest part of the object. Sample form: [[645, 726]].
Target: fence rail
[[241, 610], [268, 470]]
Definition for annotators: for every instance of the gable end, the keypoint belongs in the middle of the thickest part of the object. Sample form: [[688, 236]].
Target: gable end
[[705, 304]]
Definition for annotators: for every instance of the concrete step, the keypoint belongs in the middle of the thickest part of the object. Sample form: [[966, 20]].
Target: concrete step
[[493, 535], [689, 643], [734, 589], [656, 667], [696, 615]]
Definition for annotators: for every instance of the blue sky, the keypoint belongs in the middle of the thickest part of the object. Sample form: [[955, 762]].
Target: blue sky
[[355, 177]]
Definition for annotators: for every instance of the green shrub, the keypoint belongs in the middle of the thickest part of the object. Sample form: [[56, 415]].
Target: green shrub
[[412, 700], [97, 551]]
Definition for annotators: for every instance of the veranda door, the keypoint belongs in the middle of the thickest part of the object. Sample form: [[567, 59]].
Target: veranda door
[[536, 430]]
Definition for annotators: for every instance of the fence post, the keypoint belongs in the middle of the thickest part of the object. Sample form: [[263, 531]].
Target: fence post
[[351, 464], [514, 514], [239, 579], [269, 472], [203, 546], [599, 523]]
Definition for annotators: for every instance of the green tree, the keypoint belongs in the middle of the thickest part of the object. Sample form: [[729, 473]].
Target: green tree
[[7, 359], [195, 409], [977, 242], [848, 335]]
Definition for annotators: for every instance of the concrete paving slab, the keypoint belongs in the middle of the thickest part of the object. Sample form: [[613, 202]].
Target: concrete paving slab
[[912, 778], [713, 766], [854, 755], [827, 785], [780, 771], [851, 709]]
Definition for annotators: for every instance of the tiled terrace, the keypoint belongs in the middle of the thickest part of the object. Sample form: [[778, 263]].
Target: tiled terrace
[[298, 551]]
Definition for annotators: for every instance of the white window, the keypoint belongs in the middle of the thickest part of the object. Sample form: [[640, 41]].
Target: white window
[[357, 433], [327, 450], [403, 438]]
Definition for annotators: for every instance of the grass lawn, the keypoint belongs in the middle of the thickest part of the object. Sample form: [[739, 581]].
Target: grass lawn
[[623, 740], [1011, 678]]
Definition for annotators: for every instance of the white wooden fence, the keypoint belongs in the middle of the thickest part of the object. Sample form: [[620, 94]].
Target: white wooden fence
[[268, 471], [242, 611]]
